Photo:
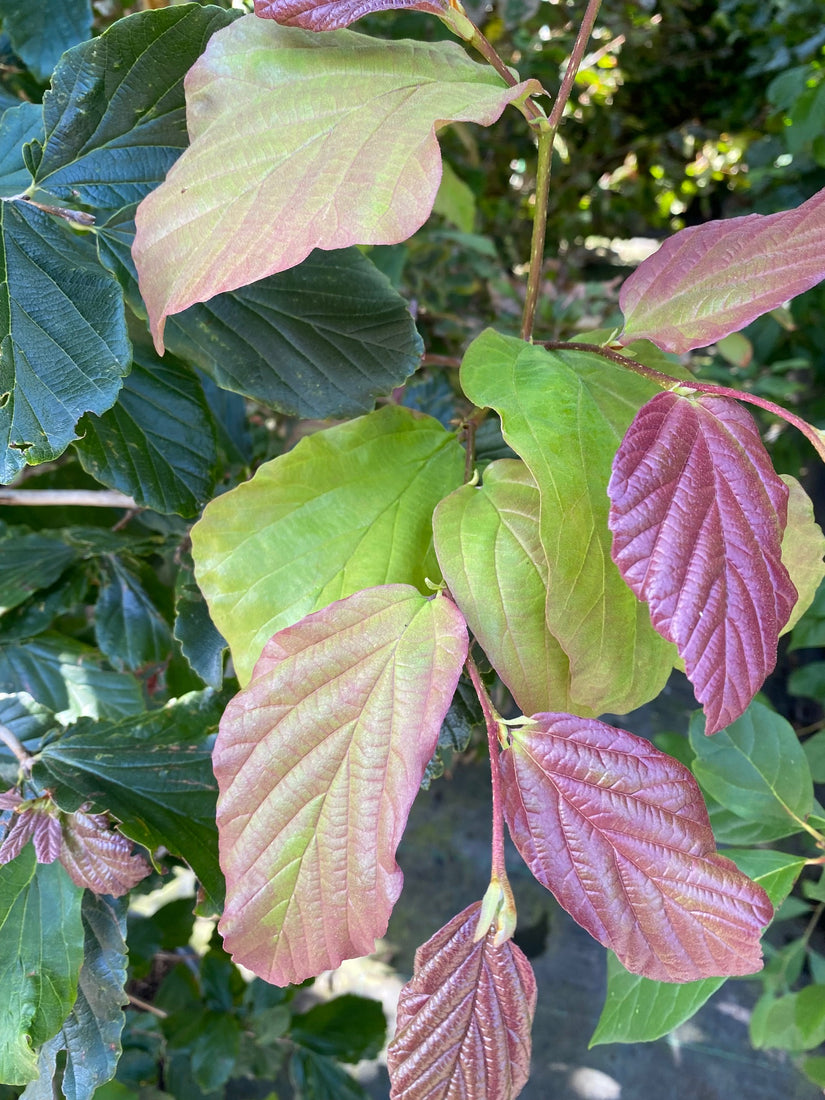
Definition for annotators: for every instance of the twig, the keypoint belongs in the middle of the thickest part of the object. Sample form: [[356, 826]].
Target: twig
[[138, 1002], [13, 744], [82, 498]]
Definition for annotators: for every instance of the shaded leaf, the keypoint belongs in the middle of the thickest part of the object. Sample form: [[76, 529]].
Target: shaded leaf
[[803, 547], [17, 126], [489, 549], [29, 721], [97, 858], [29, 561], [42, 31], [347, 1028], [709, 280], [318, 762], [756, 767], [62, 334], [129, 629], [157, 444], [201, 643], [463, 717], [115, 114], [317, 1077], [328, 15], [41, 951], [793, 1022], [565, 413], [200, 233], [697, 515], [619, 833], [347, 508], [464, 1019]]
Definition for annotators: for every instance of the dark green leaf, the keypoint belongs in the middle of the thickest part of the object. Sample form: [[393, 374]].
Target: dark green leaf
[[129, 629], [809, 680], [29, 722], [809, 632], [62, 336], [347, 1028], [115, 120], [462, 718], [215, 1050], [17, 126], [37, 613], [90, 1034], [814, 748], [41, 951], [29, 562], [200, 641], [158, 442], [317, 1077], [154, 772], [68, 677], [40, 32]]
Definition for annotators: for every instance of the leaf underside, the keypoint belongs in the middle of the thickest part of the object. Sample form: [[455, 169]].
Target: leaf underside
[[697, 514], [318, 761], [618, 831], [464, 1019], [330, 15]]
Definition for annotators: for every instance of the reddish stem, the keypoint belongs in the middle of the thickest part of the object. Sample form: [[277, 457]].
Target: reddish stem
[[492, 721]]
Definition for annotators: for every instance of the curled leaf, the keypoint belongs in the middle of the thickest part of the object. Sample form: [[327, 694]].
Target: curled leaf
[[464, 1019]]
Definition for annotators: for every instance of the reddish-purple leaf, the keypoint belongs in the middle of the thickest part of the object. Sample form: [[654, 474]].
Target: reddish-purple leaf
[[10, 799], [713, 279], [330, 15], [318, 761], [18, 833], [697, 514], [618, 831], [98, 858], [47, 836], [464, 1019]]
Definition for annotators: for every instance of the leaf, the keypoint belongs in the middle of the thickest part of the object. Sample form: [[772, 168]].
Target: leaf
[[347, 1028], [318, 762], [62, 336], [200, 642], [793, 1022], [489, 549], [29, 561], [364, 110], [463, 717], [29, 722], [565, 414], [803, 546], [91, 1032], [152, 771], [755, 768], [709, 280], [464, 1019], [42, 31], [41, 951], [129, 629], [619, 833], [17, 126], [157, 444], [316, 1077], [68, 677], [638, 1010], [455, 200], [346, 509], [115, 114], [99, 859], [697, 515], [322, 339], [327, 15]]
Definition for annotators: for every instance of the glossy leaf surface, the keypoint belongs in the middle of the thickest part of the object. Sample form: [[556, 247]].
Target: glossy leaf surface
[[565, 414], [464, 1019], [347, 508], [697, 514], [328, 15], [365, 110], [318, 761], [618, 831], [42, 31], [713, 279]]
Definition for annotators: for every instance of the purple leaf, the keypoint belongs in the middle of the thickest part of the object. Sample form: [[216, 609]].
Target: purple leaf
[[697, 514], [331, 15], [98, 858], [618, 831], [318, 761], [20, 830], [713, 279], [464, 1019], [47, 836]]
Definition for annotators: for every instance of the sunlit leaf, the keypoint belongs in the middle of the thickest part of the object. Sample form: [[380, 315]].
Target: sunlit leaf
[[709, 280], [618, 831], [803, 547], [98, 858], [364, 110], [697, 514], [318, 761], [464, 1019]]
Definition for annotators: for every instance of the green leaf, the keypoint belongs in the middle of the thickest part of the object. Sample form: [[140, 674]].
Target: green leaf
[[129, 629], [463, 717], [565, 414], [755, 768], [322, 339], [347, 1028], [793, 1022], [29, 722], [348, 508], [153, 771], [62, 335], [68, 677], [158, 442], [317, 1077], [29, 562], [91, 1032], [809, 633], [17, 126], [809, 680], [201, 643], [638, 1010], [367, 108], [42, 31], [115, 114], [455, 201], [489, 549], [41, 951], [814, 749], [803, 546]]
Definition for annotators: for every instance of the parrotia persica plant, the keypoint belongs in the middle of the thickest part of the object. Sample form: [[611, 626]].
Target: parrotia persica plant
[[211, 172]]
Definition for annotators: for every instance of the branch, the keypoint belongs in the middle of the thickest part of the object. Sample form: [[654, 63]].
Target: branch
[[83, 498], [13, 744]]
